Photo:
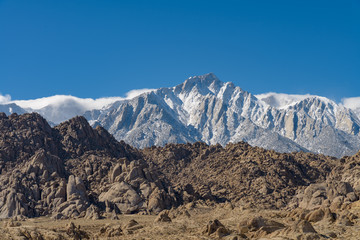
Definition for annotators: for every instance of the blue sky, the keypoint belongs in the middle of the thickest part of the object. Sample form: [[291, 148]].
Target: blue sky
[[106, 48]]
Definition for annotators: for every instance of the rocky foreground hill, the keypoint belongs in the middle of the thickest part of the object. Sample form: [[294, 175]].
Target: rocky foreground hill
[[73, 172]]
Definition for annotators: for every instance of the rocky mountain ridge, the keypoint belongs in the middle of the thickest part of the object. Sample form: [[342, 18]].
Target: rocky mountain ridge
[[203, 108]]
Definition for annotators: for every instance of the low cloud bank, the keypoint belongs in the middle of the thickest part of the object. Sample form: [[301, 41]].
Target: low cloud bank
[[5, 99], [281, 100], [276, 99], [62, 107], [352, 103], [136, 92], [59, 108], [57, 100]]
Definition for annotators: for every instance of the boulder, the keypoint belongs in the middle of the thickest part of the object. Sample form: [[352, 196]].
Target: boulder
[[256, 223], [75, 232], [132, 226], [217, 227], [111, 231], [163, 216], [124, 197], [301, 229], [320, 214], [92, 212], [75, 189]]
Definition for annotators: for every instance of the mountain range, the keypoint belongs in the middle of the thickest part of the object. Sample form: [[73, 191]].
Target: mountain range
[[203, 108]]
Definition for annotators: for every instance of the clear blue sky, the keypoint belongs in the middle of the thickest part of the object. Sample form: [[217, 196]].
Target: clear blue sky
[[106, 48]]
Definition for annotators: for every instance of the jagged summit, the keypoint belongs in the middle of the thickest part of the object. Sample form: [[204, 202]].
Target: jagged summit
[[208, 79], [207, 83]]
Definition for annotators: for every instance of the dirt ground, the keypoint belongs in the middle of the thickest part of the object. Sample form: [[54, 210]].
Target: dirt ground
[[187, 222]]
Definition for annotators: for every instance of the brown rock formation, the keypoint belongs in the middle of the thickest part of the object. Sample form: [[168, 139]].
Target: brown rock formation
[[238, 172], [65, 170]]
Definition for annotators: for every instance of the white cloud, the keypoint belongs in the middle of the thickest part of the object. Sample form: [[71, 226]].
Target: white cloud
[[58, 100], [59, 108], [85, 103], [5, 98], [282, 100], [352, 103], [137, 92]]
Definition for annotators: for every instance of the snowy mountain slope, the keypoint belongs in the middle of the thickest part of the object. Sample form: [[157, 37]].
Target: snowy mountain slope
[[9, 108], [145, 120], [202, 108], [265, 138]]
